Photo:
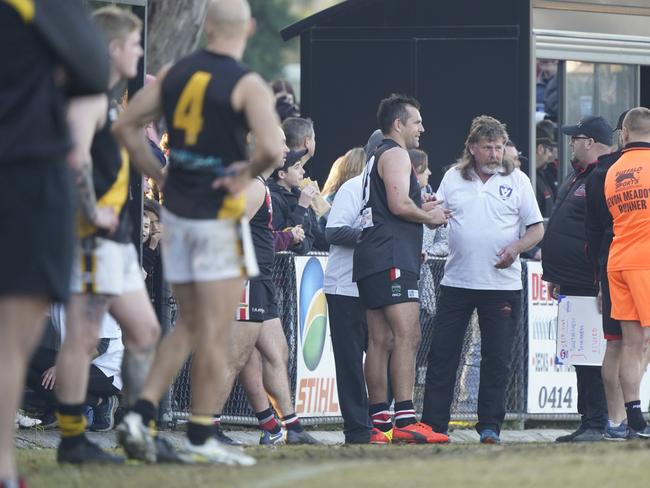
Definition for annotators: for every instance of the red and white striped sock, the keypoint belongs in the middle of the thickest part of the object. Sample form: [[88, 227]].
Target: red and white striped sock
[[380, 417], [266, 421], [404, 413]]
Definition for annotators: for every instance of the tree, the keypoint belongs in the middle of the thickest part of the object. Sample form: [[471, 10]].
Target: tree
[[267, 53], [174, 29]]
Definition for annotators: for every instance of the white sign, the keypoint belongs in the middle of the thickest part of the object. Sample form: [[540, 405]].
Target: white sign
[[580, 339], [551, 384], [316, 393]]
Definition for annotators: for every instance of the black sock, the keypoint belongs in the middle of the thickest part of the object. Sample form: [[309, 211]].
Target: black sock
[[292, 422], [72, 424], [147, 411], [380, 416], [404, 413], [634, 416], [198, 434]]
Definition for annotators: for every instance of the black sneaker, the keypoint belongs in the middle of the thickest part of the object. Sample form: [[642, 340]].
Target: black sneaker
[[570, 437], [222, 437], [86, 452], [302, 437], [165, 452], [105, 414]]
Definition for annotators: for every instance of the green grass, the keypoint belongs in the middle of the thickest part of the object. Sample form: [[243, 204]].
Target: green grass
[[532, 465]]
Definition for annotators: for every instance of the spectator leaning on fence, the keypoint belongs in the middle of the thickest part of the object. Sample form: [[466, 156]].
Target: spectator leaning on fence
[[628, 198], [567, 267], [599, 233], [386, 267], [489, 202]]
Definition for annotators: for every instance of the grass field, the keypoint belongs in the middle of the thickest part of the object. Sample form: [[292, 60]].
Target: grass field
[[564, 466]]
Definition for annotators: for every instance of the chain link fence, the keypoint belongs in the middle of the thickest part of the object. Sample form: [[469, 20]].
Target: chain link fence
[[237, 409]]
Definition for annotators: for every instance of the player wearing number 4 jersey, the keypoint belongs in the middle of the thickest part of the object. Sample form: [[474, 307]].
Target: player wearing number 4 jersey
[[209, 101]]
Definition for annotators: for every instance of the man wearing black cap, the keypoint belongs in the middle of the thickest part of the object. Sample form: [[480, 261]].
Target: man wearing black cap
[[544, 154], [598, 226], [567, 267]]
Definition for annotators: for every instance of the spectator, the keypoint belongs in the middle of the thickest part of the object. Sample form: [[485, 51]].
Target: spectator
[[300, 135], [386, 266], [344, 168], [599, 232], [544, 155], [346, 313], [104, 382], [566, 266], [489, 202], [628, 268], [514, 155], [546, 93], [285, 99]]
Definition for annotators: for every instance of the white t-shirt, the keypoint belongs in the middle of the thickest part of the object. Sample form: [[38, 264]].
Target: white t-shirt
[[346, 210], [486, 218], [109, 363]]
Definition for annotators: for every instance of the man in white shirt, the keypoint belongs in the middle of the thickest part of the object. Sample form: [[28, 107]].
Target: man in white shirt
[[346, 313], [489, 201]]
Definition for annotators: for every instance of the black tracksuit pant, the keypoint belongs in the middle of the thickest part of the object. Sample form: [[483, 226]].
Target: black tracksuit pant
[[498, 316], [349, 340], [592, 404]]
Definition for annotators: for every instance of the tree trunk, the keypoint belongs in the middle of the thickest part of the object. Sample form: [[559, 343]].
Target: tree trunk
[[173, 28]]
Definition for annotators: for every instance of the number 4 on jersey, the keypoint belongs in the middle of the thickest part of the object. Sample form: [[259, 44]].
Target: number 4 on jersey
[[188, 115]]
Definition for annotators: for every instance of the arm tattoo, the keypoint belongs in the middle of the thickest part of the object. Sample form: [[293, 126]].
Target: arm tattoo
[[86, 191]]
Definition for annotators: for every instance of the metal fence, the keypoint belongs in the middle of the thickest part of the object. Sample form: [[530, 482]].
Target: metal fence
[[238, 411]]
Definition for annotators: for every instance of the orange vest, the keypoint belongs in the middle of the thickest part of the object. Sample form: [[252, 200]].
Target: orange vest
[[627, 192]]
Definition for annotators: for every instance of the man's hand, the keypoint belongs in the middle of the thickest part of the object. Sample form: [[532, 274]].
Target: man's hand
[[49, 378], [438, 215], [507, 255], [553, 290], [298, 234], [106, 219], [235, 179], [307, 196]]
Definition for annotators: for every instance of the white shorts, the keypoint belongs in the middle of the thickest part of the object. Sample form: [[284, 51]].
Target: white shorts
[[196, 250], [105, 267]]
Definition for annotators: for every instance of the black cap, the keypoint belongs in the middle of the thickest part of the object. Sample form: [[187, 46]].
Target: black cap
[[621, 118], [293, 157], [592, 126], [373, 142]]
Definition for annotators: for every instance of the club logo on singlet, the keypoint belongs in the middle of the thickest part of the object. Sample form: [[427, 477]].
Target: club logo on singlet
[[627, 178]]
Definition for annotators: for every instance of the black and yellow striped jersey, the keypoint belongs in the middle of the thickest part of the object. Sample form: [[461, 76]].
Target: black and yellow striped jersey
[[206, 134]]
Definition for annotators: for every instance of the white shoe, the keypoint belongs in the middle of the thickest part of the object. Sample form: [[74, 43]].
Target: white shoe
[[25, 422], [136, 438], [214, 452]]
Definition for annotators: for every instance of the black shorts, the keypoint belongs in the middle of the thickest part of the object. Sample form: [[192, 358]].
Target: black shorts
[[36, 229], [388, 287], [258, 302], [611, 327]]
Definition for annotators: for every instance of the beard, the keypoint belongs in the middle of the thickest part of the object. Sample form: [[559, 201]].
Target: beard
[[491, 167]]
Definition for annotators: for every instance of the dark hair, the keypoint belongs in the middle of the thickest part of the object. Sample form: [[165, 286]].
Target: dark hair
[[279, 86], [296, 130], [149, 205], [394, 107], [419, 160]]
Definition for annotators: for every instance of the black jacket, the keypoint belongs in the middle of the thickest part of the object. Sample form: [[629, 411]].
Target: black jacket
[[564, 248], [287, 213], [598, 220]]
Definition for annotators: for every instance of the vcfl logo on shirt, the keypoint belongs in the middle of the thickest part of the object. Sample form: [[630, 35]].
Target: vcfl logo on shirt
[[505, 191]]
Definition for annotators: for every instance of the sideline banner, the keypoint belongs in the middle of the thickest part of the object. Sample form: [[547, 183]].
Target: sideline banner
[[551, 385], [316, 394]]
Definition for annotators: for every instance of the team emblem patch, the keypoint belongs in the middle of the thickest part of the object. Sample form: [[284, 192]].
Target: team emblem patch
[[505, 191]]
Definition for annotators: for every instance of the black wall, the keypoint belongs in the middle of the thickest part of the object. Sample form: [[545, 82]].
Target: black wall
[[460, 60]]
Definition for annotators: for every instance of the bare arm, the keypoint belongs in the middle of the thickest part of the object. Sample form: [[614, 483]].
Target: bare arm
[[145, 106], [395, 169], [254, 98], [531, 237], [255, 194], [86, 115]]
